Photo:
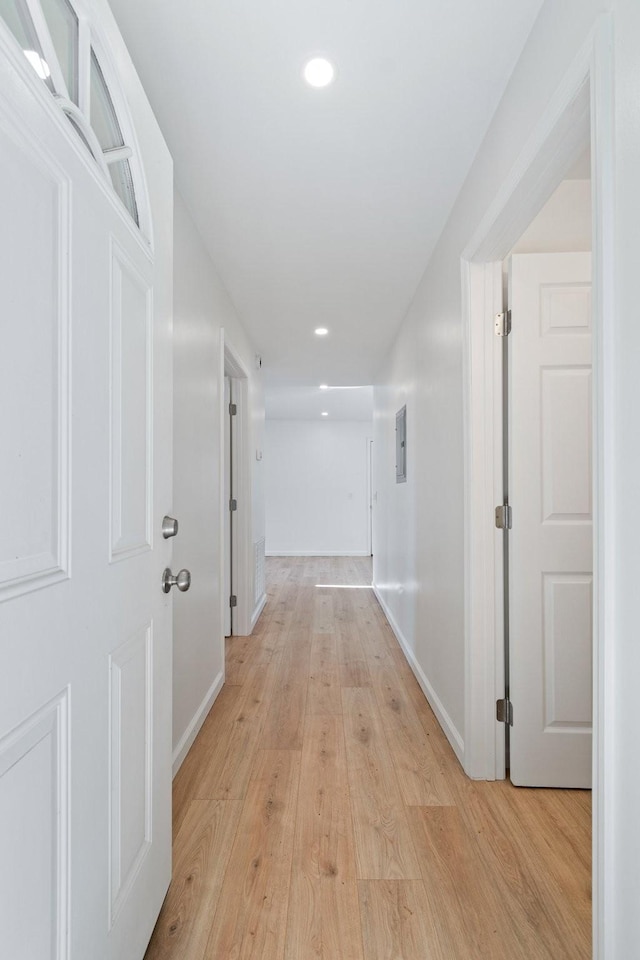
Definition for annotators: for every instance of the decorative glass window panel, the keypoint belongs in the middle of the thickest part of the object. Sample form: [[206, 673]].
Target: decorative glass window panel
[[122, 181], [104, 122], [16, 16], [63, 27], [103, 115], [48, 32]]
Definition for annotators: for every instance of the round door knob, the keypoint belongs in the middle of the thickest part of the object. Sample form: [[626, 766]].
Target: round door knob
[[182, 581]]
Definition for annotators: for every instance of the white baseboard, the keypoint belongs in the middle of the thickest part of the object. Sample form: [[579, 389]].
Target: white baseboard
[[317, 553], [262, 602], [450, 730], [187, 738]]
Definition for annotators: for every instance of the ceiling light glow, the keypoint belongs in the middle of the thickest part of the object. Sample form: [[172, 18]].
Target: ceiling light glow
[[321, 331], [324, 386], [325, 413], [318, 72]]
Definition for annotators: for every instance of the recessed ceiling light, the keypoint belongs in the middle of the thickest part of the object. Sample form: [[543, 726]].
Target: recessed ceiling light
[[324, 386], [324, 413], [321, 331], [318, 72]]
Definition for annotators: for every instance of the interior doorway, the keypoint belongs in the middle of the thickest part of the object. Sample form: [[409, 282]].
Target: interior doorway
[[547, 526], [236, 579], [578, 114], [370, 492], [229, 414]]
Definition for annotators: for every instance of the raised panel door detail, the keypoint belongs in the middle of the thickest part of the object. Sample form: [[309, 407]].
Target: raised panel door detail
[[34, 831], [131, 392], [565, 309], [130, 763], [566, 444], [34, 462], [551, 541], [568, 628]]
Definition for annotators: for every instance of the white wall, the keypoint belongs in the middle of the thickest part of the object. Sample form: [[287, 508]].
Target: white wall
[[201, 308], [431, 342], [563, 224], [424, 592], [317, 487]]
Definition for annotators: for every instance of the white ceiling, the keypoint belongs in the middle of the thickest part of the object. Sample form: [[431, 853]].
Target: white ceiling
[[307, 403], [322, 207]]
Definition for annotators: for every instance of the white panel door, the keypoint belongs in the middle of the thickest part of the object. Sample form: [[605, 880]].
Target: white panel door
[[85, 631], [551, 542]]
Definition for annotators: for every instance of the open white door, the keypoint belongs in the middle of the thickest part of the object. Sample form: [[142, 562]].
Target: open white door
[[551, 541], [85, 473]]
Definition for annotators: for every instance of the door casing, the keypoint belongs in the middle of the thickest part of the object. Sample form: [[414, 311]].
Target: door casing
[[581, 112], [232, 366]]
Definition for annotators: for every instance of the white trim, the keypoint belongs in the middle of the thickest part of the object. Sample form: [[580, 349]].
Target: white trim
[[604, 698], [221, 505], [450, 730], [242, 575], [261, 604], [317, 553], [186, 740], [369, 461], [76, 115], [586, 91], [484, 619]]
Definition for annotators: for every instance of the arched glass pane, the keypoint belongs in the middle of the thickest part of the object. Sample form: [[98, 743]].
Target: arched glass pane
[[123, 185], [103, 116], [17, 18], [107, 129], [63, 27]]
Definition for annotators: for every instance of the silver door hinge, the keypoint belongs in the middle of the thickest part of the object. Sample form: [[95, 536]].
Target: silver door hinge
[[233, 409], [503, 517], [502, 325], [233, 600], [233, 505], [504, 711]]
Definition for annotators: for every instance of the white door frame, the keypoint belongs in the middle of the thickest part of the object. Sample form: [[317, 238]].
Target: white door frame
[[583, 103], [369, 450], [242, 576]]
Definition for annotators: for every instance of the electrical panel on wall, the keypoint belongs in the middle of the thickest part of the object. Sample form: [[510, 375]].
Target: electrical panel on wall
[[401, 445]]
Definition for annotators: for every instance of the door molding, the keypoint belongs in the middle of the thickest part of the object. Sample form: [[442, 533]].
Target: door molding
[[369, 461], [582, 103], [242, 576]]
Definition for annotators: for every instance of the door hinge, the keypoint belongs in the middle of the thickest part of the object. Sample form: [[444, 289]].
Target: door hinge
[[233, 505], [504, 711], [503, 517], [233, 409], [233, 600], [502, 325]]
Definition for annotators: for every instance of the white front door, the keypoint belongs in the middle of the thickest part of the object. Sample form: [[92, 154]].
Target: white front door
[[551, 542], [85, 631]]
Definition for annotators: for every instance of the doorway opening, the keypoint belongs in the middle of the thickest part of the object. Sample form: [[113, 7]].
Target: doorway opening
[[370, 492], [547, 510], [578, 115], [235, 499]]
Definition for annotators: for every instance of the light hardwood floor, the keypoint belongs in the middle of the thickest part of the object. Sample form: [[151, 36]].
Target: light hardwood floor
[[321, 814]]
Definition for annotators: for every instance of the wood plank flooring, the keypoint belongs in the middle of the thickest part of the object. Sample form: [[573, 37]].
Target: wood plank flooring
[[322, 815]]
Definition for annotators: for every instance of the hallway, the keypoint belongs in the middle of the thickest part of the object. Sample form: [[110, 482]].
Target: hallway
[[322, 814]]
